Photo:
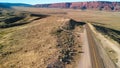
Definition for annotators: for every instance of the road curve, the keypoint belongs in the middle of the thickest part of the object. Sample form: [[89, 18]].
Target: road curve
[[96, 59]]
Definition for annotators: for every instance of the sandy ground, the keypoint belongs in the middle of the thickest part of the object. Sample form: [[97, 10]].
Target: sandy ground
[[107, 44], [85, 60]]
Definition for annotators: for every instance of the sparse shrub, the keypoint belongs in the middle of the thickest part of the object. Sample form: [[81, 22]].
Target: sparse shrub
[[6, 53], [66, 41], [1, 46], [56, 31], [56, 64]]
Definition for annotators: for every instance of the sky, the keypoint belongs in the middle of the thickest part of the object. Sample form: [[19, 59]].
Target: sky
[[48, 1]]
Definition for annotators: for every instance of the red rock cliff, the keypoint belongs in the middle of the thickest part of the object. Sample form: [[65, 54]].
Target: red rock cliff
[[100, 5]]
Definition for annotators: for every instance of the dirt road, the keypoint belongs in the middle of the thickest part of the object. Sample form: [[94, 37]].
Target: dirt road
[[90, 58], [85, 60], [96, 59]]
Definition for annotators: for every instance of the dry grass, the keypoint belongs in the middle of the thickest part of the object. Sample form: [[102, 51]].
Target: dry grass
[[30, 45], [109, 19]]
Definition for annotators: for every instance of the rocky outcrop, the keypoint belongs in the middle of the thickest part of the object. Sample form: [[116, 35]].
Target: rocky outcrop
[[60, 5], [55, 5], [96, 5]]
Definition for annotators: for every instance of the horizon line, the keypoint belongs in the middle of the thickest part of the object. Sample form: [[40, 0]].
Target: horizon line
[[57, 2]]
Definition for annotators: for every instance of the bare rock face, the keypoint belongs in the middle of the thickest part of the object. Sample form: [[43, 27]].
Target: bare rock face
[[96, 5], [42, 5], [60, 5], [108, 6], [55, 5]]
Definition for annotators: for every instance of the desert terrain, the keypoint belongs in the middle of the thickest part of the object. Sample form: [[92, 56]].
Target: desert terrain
[[59, 38]]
